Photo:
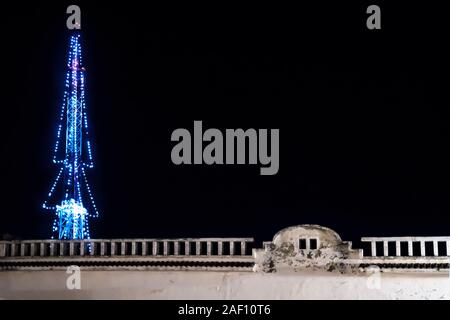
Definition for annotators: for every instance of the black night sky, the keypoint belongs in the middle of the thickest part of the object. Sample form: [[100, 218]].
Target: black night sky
[[363, 116]]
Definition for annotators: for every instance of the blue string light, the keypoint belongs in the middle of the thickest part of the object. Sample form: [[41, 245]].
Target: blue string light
[[72, 217]]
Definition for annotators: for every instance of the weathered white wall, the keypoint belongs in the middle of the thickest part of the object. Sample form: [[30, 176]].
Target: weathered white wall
[[221, 285], [283, 269]]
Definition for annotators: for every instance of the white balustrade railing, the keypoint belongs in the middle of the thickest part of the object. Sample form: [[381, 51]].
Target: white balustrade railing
[[379, 247], [127, 247], [408, 246]]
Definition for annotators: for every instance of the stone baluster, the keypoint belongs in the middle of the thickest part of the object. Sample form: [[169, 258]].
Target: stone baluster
[[220, 248], [144, 248], [398, 249], [187, 248], [155, 248], [3, 249], [42, 249], [422, 248], [231, 248], [208, 248], [243, 248], [71, 248], [133, 248], [385, 248], [198, 248], [123, 247], [102, 248], [410, 249], [374, 248], [165, 248], [435, 248], [176, 248], [82, 248]]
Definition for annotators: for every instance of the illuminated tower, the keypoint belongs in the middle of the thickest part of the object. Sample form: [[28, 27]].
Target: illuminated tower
[[72, 198]]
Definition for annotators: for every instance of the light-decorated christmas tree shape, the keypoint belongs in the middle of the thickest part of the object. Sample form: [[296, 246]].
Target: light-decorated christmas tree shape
[[70, 196]]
